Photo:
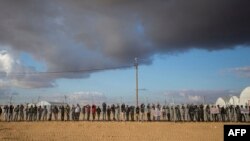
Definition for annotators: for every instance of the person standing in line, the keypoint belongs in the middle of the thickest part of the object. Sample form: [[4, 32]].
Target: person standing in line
[[98, 110], [67, 112], [55, 112], [16, 110], [183, 113], [117, 111], [31, 110], [178, 113], [113, 111], [34, 112], [148, 112], [163, 111], [132, 113], [104, 106], [27, 112], [62, 112], [93, 112], [1, 113], [83, 112], [137, 113], [223, 113], [21, 110], [217, 115], [50, 113], [109, 113], [73, 112], [11, 109], [6, 112], [248, 113], [153, 112], [158, 112], [88, 111], [199, 113], [227, 113], [142, 108], [127, 110], [45, 113], [40, 112], [191, 112], [208, 113], [242, 114], [231, 113], [202, 112], [196, 110], [123, 111], [77, 112], [237, 112], [168, 112]]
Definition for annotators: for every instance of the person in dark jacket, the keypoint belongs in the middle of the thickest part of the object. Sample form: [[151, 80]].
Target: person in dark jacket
[[88, 108], [104, 109], [67, 109], [123, 107], [40, 112], [55, 112], [93, 111], [142, 108], [83, 112], [113, 111], [11, 110], [132, 112], [127, 110], [1, 111], [223, 114], [62, 112], [34, 113], [137, 113], [16, 110], [148, 112], [109, 113], [98, 110], [21, 111]]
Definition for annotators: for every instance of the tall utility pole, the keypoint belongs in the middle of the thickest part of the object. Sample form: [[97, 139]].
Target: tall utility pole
[[10, 99], [38, 99], [136, 77], [65, 99]]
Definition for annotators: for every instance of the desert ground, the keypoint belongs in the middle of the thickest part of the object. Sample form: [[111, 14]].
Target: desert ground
[[110, 131]]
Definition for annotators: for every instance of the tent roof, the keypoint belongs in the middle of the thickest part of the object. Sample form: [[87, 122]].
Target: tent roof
[[245, 96], [234, 100]]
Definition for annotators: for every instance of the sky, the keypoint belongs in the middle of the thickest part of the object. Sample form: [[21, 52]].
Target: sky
[[83, 51]]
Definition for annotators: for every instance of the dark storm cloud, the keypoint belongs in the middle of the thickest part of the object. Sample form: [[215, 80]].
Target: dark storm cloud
[[85, 34]]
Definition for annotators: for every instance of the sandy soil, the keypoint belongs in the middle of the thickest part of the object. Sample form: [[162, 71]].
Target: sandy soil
[[111, 131]]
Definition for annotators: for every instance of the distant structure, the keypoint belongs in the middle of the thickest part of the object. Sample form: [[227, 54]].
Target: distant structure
[[48, 103], [243, 99], [234, 100], [221, 101], [245, 96]]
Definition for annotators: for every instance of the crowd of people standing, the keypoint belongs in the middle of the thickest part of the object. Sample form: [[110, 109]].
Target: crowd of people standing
[[117, 112]]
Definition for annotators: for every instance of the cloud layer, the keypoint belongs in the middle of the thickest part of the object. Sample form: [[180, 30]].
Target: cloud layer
[[241, 71], [82, 34]]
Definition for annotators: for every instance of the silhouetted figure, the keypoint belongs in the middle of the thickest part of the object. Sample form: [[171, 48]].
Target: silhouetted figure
[[104, 109], [98, 110]]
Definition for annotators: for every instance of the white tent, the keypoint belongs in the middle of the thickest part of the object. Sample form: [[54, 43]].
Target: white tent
[[245, 96], [48, 103], [31, 104], [43, 103], [234, 100], [221, 101]]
